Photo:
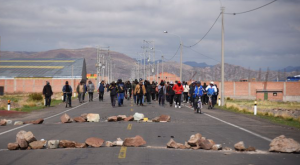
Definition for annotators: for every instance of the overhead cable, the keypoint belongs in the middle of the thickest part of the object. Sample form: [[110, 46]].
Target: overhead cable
[[251, 9]]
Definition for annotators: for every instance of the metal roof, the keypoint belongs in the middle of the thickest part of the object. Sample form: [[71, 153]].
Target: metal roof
[[55, 68]]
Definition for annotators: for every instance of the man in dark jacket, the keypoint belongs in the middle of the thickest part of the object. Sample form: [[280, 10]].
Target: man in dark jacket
[[191, 92], [47, 92], [101, 90], [170, 93], [67, 90], [148, 91], [121, 92]]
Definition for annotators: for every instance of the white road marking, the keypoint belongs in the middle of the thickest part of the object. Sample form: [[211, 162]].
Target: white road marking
[[238, 127], [2, 133]]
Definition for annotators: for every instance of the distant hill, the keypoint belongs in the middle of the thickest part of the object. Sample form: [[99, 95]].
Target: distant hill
[[125, 66], [196, 64], [291, 69]]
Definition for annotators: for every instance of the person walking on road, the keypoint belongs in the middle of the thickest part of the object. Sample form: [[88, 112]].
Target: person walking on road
[[204, 97], [148, 91], [153, 87], [113, 93], [140, 91], [47, 92], [186, 89], [161, 93], [191, 92], [90, 89], [67, 90], [211, 90], [121, 92], [170, 93], [178, 88], [101, 90], [134, 84], [80, 90]]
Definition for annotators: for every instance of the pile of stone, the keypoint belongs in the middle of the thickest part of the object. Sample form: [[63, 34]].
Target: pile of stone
[[136, 141], [26, 141], [283, 144], [90, 117], [119, 118], [195, 142], [138, 117], [5, 122]]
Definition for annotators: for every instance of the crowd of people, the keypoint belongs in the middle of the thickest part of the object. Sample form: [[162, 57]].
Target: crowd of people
[[142, 92]]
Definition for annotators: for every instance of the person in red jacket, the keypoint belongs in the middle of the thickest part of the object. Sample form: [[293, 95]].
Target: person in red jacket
[[178, 88]]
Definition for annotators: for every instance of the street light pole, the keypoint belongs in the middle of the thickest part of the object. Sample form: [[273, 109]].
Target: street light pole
[[222, 60], [162, 67], [180, 54]]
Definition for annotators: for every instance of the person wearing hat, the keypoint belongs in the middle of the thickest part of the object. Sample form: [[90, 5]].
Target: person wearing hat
[[101, 90], [211, 90], [113, 93], [67, 90], [178, 89], [121, 92], [198, 92], [47, 92]]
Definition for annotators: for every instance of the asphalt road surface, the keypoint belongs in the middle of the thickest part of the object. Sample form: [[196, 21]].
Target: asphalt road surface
[[223, 127]]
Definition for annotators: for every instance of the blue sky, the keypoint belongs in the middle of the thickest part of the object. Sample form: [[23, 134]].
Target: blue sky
[[268, 37]]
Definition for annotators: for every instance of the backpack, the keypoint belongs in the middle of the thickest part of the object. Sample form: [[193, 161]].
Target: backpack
[[161, 91], [121, 88], [210, 91], [113, 91], [67, 89]]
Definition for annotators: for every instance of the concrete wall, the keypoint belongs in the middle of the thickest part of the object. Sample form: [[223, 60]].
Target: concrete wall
[[238, 90]]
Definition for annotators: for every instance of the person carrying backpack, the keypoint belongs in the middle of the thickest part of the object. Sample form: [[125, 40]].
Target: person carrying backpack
[[140, 91], [161, 93], [47, 92], [121, 92], [67, 90], [170, 93], [113, 93]]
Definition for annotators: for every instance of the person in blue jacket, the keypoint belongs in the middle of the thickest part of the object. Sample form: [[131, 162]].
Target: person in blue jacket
[[101, 90], [198, 92], [121, 92]]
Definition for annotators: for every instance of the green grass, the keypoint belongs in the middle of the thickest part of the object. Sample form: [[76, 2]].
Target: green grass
[[27, 108], [11, 98], [278, 120]]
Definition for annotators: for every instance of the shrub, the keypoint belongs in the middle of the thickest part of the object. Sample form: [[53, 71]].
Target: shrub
[[36, 96]]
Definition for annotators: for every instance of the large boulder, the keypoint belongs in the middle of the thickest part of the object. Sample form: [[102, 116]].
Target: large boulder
[[84, 115], [12, 146], [138, 116], [156, 119], [37, 144], [164, 118], [130, 118], [217, 147], [283, 144], [112, 119], [172, 144], [65, 118], [195, 140], [80, 145], [38, 121], [79, 119], [20, 139], [3, 122], [205, 144], [94, 142], [240, 146], [18, 123], [66, 144], [93, 117], [121, 117], [29, 137], [134, 141], [53, 144]]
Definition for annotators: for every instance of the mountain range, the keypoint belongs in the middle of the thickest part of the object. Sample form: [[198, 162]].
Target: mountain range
[[126, 67]]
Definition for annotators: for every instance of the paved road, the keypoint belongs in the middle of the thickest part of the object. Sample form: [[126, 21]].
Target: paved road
[[223, 127]]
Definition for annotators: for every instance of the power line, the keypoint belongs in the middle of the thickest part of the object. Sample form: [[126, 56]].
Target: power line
[[173, 55], [206, 32], [252, 9], [204, 55]]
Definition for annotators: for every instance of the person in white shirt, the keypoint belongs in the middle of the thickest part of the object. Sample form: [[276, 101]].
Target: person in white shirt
[[186, 89]]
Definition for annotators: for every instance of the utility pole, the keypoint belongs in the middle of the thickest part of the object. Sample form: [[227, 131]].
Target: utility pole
[[162, 68], [222, 61]]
